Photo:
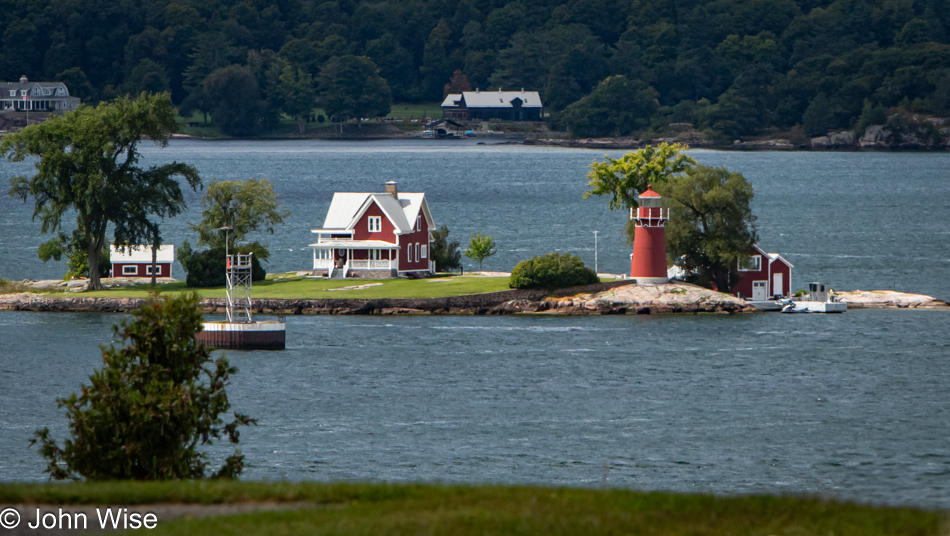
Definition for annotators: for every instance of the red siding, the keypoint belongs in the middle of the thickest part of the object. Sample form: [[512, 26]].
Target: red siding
[[164, 270], [744, 286], [410, 240], [361, 229]]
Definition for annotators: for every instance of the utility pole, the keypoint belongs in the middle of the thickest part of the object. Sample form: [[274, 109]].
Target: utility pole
[[595, 252]]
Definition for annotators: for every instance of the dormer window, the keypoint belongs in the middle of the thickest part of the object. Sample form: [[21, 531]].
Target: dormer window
[[375, 224], [13, 93], [22, 92]]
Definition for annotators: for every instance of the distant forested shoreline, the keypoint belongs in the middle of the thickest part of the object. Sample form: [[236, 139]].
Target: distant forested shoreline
[[730, 69]]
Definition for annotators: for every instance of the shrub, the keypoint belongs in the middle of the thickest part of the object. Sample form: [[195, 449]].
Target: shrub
[[207, 268], [552, 271], [151, 405], [447, 255]]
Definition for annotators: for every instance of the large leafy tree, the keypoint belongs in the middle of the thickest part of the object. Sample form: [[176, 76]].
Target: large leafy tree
[[154, 402], [616, 107], [244, 206], [237, 108], [89, 164], [711, 225], [298, 95], [351, 87], [624, 178]]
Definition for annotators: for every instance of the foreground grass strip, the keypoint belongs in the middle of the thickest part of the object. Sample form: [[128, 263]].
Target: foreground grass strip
[[462, 510], [300, 288]]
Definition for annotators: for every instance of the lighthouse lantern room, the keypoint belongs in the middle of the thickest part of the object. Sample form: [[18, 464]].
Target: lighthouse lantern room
[[648, 261]]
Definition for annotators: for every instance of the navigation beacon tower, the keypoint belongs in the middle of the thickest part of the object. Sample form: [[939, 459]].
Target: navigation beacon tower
[[648, 261]]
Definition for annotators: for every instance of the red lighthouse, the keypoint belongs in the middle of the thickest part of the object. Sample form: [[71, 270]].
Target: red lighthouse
[[648, 261]]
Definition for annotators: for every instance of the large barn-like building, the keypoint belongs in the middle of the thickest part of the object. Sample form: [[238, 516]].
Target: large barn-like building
[[485, 105], [375, 235]]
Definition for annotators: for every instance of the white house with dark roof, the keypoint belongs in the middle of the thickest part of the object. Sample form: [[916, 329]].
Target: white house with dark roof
[[375, 235], [25, 96], [503, 105]]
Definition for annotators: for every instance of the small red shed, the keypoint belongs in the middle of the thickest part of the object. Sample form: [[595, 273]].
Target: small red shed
[[136, 261], [764, 275]]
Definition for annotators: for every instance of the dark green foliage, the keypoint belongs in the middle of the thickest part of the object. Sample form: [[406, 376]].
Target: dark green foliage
[[352, 88], [616, 107], [237, 108], [552, 271], [759, 64], [207, 268], [74, 249], [155, 400], [711, 224], [89, 166], [447, 255]]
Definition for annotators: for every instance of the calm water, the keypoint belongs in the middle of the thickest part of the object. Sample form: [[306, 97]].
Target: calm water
[[852, 406]]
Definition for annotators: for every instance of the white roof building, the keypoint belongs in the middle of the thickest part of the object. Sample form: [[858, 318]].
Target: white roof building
[[141, 254]]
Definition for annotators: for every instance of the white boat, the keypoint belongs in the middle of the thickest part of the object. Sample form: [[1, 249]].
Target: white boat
[[817, 301]]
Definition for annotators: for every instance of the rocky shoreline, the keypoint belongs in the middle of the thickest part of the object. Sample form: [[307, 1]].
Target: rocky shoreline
[[622, 297]]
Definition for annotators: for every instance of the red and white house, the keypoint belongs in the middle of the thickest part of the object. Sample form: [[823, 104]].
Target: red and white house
[[136, 261], [375, 235], [763, 276]]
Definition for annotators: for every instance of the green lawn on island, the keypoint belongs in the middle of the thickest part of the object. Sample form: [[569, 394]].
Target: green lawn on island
[[345, 508], [295, 287]]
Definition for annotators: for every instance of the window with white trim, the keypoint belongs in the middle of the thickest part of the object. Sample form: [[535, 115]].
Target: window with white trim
[[409, 256], [130, 269], [425, 253], [418, 252], [148, 269], [418, 223], [13, 93], [375, 224], [753, 264]]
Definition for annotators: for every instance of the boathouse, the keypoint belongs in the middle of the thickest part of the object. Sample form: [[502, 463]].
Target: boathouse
[[763, 275], [375, 235], [485, 105], [136, 261]]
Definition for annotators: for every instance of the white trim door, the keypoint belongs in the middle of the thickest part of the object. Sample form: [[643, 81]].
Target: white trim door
[[760, 290], [778, 283]]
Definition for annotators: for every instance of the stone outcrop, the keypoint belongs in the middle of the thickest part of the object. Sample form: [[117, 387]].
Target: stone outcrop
[[886, 299], [834, 140], [621, 297]]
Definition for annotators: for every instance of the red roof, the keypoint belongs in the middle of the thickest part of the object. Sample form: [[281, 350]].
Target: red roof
[[650, 192]]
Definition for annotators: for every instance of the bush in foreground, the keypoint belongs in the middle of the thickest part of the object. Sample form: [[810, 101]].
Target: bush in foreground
[[551, 271], [147, 410]]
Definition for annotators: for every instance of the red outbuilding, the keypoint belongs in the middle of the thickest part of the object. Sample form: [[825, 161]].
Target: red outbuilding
[[375, 235], [136, 261], [763, 276]]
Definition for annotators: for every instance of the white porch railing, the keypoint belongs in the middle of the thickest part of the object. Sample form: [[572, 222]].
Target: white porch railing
[[364, 264], [322, 264]]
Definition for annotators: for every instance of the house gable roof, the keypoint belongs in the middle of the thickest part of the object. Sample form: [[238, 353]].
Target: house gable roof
[[772, 257], [500, 99], [452, 99], [141, 254], [347, 208]]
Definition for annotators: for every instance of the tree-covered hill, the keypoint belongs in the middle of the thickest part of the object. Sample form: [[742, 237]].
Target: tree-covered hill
[[603, 67]]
